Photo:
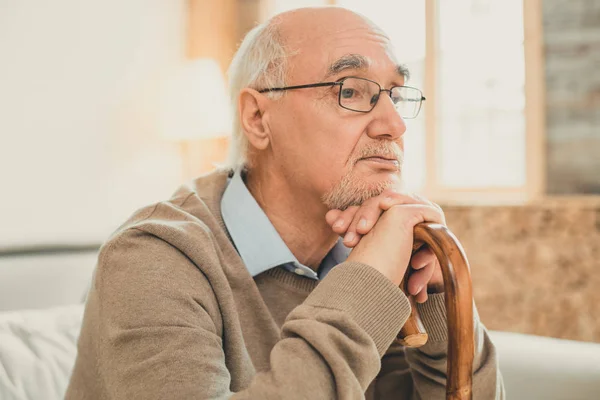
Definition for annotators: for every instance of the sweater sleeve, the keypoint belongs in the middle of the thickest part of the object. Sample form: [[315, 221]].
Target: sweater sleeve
[[158, 332], [336, 338], [420, 373]]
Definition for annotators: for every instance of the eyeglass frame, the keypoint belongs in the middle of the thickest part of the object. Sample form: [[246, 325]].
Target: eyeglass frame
[[341, 82]]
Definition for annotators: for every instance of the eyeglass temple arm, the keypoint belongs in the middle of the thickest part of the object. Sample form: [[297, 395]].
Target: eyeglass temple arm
[[300, 86]]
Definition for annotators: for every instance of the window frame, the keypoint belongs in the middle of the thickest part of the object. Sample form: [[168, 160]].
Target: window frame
[[534, 113]]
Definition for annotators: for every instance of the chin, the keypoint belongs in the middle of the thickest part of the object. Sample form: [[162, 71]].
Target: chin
[[375, 180], [392, 177], [354, 189]]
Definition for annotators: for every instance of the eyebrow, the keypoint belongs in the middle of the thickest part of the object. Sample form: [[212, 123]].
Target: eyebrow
[[358, 62]]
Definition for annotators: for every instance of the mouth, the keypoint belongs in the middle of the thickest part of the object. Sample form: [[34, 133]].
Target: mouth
[[382, 157], [383, 160]]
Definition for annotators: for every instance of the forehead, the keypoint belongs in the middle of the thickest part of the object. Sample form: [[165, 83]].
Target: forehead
[[324, 42]]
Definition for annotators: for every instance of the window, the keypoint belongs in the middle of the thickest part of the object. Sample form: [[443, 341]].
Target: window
[[480, 94]]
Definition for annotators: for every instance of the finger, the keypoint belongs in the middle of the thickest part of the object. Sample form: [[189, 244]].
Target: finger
[[370, 211], [340, 226], [421, 297], [363, 221], [423, 200], [413, 214], [389, 198], [351, 239], [392, 200], [422, 258], [418, 280], [332, 216], [436, 283], [366, 217]]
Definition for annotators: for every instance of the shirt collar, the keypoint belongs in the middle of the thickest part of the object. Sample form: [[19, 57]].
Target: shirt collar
[[256, 239]]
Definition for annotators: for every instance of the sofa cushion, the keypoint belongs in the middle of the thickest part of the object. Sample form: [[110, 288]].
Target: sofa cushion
[[535, 367], [37, 352]]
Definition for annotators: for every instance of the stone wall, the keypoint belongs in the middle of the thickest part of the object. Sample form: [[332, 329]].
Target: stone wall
[[572, 51], [535, 269]]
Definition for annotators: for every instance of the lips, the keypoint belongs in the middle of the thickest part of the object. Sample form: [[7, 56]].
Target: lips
[[386, 157], [383, 162]]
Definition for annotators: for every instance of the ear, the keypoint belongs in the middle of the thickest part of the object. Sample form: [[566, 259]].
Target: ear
[[252, 107]]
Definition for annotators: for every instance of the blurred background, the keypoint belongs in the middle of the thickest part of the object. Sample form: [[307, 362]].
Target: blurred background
[[107, 106]]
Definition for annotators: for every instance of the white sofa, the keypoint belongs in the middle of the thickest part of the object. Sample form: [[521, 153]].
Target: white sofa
[[41, 308]]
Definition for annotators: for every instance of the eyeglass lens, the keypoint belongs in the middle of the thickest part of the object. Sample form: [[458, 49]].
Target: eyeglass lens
[[362, 95]]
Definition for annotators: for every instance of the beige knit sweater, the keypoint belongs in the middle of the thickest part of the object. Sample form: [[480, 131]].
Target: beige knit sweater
[[174, 314]]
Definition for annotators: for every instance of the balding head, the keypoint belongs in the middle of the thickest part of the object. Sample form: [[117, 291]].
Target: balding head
[[303, 25], [312, 35]]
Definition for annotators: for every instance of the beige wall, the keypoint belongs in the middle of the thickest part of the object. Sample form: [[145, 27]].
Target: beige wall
[[80, 147], [79, 142], [535, 269]]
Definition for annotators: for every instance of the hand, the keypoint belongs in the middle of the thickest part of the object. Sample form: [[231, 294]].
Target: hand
[[393, 253]]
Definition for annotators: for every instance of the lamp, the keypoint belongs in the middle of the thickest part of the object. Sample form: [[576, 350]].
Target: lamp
[[195, 111]]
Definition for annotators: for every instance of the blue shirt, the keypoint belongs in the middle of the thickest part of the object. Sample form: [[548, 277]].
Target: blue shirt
[[256, 239]]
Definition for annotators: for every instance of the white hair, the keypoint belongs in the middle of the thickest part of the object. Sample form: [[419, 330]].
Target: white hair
[[259, 63]]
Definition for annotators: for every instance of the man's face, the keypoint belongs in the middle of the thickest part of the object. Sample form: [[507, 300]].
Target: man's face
[[321, 147]]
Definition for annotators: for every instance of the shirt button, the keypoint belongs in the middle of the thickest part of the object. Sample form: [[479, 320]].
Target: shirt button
[[299, 271]]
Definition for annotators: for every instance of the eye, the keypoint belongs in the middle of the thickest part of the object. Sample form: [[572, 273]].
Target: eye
[[398, 99], [374, 99], [347, 93]]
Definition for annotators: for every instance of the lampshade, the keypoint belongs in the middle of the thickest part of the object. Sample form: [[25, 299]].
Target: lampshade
[[194, 103]]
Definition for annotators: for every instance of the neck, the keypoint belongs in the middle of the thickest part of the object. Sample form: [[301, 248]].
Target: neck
[[297, 215]]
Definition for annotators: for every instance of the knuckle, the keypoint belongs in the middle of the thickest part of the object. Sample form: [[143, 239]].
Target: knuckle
[[416, 197], [367, 208], [368, 203], [372, 203], [396, 196], [394, 210]]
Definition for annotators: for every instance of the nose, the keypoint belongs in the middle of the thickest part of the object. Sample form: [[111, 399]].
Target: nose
[[386, 122]]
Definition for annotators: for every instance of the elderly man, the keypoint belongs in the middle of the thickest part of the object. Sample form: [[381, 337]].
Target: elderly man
[[244, 286]]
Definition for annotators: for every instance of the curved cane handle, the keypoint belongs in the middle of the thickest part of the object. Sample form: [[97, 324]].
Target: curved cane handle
[[459, 308]]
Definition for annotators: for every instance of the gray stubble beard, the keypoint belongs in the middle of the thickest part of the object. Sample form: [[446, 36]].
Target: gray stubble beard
[[350, 191]]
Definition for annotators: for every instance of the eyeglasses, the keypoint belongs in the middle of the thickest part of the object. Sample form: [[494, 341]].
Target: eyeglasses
[[361, 95]]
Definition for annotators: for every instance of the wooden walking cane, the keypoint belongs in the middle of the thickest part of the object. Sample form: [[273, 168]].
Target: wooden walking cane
[[459, 308]]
